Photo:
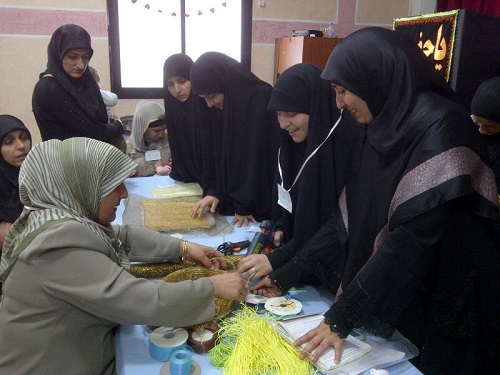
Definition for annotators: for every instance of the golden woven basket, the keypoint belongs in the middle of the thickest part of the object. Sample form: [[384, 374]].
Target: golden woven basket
[[222, 306], [158, 270]]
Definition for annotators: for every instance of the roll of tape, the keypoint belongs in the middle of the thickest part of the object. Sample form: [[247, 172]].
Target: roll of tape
[[164, 341], [201, 341], [180, 362]]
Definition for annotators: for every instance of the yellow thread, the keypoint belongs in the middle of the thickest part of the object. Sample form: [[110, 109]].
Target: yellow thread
[[248, 344]]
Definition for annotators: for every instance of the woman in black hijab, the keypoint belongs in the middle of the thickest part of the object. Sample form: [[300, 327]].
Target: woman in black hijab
[[66, 100], [15, 141], [485, 109], [185, 115], [242, 156], [420, 209], [310, 138]]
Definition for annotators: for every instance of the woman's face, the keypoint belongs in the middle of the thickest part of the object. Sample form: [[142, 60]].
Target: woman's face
[[296, 124], [75, 62], [179, 87], [214, 100], [156, 133], [486, 127], [107, 209], [15, 147], [353, 104]]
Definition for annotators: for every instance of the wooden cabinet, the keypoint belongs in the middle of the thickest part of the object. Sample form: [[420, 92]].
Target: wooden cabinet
[[296, 49]]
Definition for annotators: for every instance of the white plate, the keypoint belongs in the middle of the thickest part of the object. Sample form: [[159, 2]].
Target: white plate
[[282, 306], [255, 299]]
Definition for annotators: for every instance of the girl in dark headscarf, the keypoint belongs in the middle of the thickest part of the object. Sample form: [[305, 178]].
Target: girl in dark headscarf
[[485, 109], [244, 149], [66, 99], [15, 141], [310, 138], [420, 209], [186, 115]]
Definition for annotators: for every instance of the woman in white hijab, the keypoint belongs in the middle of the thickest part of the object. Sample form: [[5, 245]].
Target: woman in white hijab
[[64, 268], [148, 144]]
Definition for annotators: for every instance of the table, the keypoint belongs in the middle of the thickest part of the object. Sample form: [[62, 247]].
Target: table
[[132, 342]]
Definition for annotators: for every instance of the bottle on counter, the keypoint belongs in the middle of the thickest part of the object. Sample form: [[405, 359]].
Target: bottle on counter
[[329, 30]]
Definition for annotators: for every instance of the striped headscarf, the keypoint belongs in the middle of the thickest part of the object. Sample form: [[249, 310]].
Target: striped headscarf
[[66, 181]]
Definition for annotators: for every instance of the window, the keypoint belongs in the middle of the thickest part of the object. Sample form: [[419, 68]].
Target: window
[[143, 33]]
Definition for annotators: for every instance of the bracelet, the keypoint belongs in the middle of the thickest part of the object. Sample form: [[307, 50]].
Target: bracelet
[[184, 247]]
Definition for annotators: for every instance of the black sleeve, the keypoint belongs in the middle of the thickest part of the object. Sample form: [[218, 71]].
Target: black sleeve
[[323, 256], [60, 108], [388, 281]]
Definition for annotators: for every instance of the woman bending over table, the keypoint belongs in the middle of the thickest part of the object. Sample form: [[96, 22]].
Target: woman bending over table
[[313, 160], [419, 213], [238, 172]]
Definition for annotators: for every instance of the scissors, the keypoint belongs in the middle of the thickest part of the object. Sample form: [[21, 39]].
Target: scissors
[[229, 248]]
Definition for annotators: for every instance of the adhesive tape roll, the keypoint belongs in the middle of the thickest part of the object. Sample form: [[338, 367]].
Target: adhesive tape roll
[[164, 341], [202, 340]]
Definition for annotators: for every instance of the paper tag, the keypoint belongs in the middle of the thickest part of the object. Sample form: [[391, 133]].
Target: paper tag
[[284, 199], [153, 155]]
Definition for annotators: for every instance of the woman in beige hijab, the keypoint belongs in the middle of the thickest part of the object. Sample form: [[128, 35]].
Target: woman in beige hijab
[[64, 268]]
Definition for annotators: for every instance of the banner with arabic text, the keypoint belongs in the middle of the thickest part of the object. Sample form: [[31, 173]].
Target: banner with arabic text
[[435, 36]]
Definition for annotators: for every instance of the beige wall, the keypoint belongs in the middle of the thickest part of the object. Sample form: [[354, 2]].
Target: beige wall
[[23, 42]]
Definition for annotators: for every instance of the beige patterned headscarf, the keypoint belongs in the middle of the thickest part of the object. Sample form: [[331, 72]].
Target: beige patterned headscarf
[[145, 114], [66, 181]]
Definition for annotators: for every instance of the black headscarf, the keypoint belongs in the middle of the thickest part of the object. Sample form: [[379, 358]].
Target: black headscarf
[[10, 205], [421, 149], [184, 122], [486, 100], [248, 141], [300, 89], [84, 90], [486, 104]]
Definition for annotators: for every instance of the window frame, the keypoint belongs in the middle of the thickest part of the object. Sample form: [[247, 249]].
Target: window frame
[[157, 92]]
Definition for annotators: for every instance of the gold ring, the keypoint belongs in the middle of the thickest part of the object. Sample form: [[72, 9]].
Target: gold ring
[[253, 269]]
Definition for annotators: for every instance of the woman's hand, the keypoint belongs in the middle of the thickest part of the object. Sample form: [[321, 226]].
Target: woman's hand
[[265, 288], [254, 266], [204, 256], [278, 238], [162, 170], [319, 339], [243, 219], [206, 201], [231, 286]]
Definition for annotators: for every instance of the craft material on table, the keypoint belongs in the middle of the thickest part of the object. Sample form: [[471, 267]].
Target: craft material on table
[[164, 341], [255, 299], [203, 338], [178, 190], [352, 348], [180, 363], [222, 306], [248, 344], [173, 214], [158, 270], [282, 306]]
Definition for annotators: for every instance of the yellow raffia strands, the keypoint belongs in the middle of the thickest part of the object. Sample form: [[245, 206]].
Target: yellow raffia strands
[[248, 344]]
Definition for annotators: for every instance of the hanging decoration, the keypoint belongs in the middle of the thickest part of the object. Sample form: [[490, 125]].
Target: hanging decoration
[[174, 14]]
